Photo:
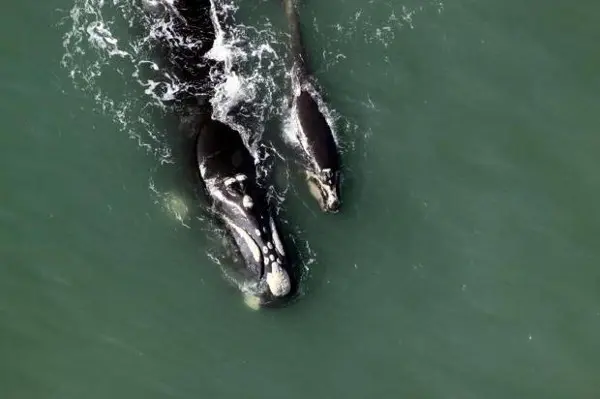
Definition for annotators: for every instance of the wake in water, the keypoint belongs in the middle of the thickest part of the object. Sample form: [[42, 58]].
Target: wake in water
[[109, 47]]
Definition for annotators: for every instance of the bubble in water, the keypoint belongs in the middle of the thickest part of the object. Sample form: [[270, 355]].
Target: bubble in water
[[176, 206]]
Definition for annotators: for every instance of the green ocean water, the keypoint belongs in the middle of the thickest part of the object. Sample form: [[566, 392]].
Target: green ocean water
[[464, 263]]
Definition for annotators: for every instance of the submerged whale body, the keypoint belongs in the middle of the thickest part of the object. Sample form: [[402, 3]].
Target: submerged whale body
[[227, 169], [314, 132]]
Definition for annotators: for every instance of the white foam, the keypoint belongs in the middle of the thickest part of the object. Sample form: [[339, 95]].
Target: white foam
[[380, 22]]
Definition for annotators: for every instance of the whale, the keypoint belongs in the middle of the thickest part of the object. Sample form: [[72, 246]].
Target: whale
[[319, 150], [229, 174], [225, 167]]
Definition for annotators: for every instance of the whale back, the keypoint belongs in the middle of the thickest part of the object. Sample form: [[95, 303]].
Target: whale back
[[221, 150], [183, 37], [301, 62], [319, 144]]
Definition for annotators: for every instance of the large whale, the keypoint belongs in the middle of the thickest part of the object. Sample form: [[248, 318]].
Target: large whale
[[226, 168], [314, 132]]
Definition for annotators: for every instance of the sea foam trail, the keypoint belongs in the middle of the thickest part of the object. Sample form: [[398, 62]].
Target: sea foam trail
[[108, 55]]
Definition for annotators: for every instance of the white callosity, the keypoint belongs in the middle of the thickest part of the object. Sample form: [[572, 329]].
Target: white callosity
[[247, 202], [278, 280]]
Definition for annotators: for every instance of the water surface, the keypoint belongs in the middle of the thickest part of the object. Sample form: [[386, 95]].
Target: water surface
[[464, 263]]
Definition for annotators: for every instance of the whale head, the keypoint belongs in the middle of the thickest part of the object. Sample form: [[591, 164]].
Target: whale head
[[257, 239], [324, 185]]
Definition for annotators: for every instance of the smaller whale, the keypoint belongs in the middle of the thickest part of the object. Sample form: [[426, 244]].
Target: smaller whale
[[313, 131], [228, 172]]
